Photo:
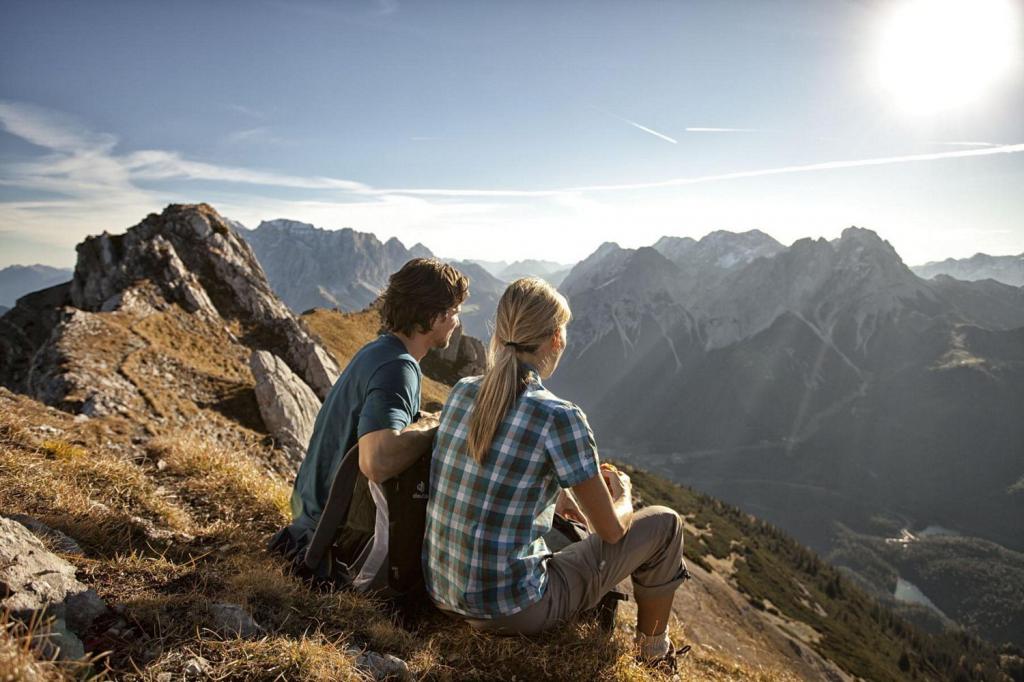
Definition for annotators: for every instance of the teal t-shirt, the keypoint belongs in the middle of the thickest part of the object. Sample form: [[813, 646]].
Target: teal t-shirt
[[380, 389]]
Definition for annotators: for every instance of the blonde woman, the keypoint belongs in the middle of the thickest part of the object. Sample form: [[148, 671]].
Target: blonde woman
[[505, 449]]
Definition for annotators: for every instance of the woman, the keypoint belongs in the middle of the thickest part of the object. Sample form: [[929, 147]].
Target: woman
[[504, 449]]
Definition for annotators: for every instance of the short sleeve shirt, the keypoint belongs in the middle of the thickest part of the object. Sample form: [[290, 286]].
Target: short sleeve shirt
[[379, 389], [483, 547]]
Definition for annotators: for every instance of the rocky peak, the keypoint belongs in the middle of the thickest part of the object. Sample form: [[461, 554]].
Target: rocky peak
[[157, 324], [190, 253]]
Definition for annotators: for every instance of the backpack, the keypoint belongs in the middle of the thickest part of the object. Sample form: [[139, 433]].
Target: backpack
[[389, 563], [386, 562]]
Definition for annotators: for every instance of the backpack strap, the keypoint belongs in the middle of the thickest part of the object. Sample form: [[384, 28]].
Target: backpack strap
[[335, 510]]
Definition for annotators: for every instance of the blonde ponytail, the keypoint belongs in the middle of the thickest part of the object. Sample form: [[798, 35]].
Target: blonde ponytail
[[529, 312]]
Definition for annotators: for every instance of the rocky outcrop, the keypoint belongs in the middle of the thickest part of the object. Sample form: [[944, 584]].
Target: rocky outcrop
[[287, 405], [192, 255], [465, 356], [38, 584]]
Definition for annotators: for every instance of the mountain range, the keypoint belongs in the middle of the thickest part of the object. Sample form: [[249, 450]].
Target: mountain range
[[821, 386], [144, 433], [310, 267], [18, 280], [503, 270], [1005, 269]]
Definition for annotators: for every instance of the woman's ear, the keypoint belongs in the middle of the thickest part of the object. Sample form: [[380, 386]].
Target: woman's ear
[[558, 339]]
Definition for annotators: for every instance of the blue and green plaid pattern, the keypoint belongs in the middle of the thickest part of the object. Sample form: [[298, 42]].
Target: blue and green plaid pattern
[[483, 550]]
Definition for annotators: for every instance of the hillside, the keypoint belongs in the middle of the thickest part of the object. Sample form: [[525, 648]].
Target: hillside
[[168, 527], [136, 443]]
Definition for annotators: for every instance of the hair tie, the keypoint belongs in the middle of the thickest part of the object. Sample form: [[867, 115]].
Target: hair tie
[[513, 344]]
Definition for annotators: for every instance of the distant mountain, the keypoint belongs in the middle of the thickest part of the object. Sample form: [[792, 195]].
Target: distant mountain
[[18, 280], [3, 309], [720, 249], [507, 272], [1005, 269], [545, 269], [484, 292], [310, 267], [494, 267], [815, 384]]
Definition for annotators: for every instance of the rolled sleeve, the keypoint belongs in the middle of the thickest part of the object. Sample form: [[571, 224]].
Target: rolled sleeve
[[571, 447], [390, 398]]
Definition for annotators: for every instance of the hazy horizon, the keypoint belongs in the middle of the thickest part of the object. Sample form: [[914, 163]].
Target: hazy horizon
[[518, 131]]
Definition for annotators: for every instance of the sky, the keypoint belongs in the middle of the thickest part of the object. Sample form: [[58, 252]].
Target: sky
[[508, 130]]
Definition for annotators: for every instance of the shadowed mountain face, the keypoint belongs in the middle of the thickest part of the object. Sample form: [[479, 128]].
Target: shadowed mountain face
[[980, 266], [816, 384], [18, 280]]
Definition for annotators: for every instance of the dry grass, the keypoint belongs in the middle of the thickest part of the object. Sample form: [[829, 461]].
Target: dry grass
[[209, 511]]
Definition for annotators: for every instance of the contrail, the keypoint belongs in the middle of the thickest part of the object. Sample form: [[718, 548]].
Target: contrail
[[652, 132], [679, 182]]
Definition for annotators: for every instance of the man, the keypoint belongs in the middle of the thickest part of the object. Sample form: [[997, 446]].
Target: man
[[375, 402]]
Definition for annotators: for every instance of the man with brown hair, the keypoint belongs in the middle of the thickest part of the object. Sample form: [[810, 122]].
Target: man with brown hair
[[376, 402]]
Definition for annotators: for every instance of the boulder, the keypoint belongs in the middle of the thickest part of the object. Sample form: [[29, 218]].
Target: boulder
[[38, 585], [287, 404], [61, 542], [231, 620], [465, 356]]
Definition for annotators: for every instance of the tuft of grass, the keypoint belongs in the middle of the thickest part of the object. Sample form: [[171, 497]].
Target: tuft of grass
[[228, 485]]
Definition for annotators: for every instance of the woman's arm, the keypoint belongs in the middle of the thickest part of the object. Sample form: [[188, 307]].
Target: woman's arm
[[609, 519]]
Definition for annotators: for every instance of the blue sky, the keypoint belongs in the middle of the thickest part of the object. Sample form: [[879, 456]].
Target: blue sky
[[498, 129]]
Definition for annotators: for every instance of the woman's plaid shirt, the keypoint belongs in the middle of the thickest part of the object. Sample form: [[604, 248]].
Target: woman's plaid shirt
[[483, 551]]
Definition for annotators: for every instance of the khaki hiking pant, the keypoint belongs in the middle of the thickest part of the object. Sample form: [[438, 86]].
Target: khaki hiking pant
[[651, 552]]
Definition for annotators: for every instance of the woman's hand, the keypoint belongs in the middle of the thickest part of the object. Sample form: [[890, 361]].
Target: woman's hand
[[619, 484]]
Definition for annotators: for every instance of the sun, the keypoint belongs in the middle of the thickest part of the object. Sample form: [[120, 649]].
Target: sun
[[938, 55]]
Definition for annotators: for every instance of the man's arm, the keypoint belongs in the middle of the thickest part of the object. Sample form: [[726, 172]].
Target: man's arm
[[386, 452]]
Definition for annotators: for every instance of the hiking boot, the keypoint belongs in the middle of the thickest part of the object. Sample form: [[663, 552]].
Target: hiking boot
[[667, 662]]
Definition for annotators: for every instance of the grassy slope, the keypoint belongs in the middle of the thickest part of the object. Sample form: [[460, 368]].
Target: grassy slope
[[175, 522], [775, 572]]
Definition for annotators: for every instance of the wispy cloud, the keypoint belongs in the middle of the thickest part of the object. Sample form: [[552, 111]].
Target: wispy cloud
[[246, 111], [724, 130], [261, 134], [965, 144]]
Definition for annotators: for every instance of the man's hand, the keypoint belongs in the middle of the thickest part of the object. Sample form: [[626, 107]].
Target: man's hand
[[386, 453], [428, 421]]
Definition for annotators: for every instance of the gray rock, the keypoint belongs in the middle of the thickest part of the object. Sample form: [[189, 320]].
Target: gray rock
[[38, 584], [381, 666], [231, 620], [197, 667], [287, 404], [61, 542]]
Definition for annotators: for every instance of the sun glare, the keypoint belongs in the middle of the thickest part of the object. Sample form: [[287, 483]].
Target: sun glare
[[937, 55]]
